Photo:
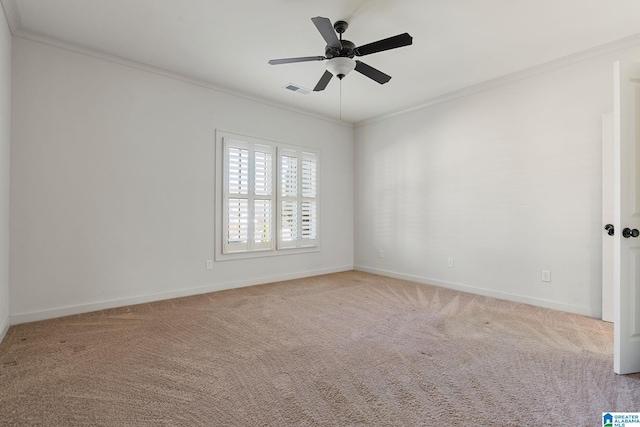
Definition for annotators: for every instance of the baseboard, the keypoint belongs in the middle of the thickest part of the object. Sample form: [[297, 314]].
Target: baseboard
[[103, 305], [585, 311], [4, 327]]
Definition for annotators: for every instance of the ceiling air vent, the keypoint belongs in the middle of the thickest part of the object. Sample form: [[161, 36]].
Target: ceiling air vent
[[296, 88]]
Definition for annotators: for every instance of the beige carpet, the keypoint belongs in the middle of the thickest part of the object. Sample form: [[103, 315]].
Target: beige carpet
[[348, 349]]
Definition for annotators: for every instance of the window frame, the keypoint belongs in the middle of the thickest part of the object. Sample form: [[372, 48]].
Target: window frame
[[277, 247]]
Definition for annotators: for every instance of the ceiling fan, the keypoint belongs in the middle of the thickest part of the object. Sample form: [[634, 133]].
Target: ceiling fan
[[340, 53]]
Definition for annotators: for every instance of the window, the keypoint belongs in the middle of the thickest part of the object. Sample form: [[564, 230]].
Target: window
[[269, 202]]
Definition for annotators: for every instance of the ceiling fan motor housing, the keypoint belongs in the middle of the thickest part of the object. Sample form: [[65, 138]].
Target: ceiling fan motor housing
[[347, 50]]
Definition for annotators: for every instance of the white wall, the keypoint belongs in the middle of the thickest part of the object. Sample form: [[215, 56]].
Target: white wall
[[113, 184], [5, 136], [506, 181]]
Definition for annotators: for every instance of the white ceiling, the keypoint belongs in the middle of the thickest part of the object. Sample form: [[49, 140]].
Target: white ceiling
[[456, 43]]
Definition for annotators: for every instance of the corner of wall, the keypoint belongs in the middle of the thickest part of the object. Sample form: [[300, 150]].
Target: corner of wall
[[12, 21], [11, 15], [4, 328]]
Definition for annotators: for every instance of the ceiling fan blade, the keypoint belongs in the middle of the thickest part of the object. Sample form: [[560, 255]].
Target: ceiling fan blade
[[292, 60], [326, 30], [324, 81], [372, 73], [385, 44]]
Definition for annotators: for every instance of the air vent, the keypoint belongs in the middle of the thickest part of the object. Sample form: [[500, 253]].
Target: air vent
[[298, 89]]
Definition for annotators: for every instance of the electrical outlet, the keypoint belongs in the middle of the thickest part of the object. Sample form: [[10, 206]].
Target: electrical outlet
[[209, 264], [450, 262], [381, 253], [546, 276]]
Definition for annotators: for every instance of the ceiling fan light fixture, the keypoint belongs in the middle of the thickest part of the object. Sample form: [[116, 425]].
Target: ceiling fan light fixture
[[341, 66]]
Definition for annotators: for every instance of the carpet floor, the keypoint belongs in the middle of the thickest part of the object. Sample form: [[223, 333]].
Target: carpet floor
[[346, 349]]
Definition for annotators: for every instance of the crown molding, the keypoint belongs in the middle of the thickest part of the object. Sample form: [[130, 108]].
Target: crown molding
[[604, 49], [17, 29], [11, 14], [51, 41]]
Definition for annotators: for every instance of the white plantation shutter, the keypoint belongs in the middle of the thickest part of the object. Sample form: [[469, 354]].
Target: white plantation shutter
[[288, 202], [308, 199], [263, 203], [268, 200], [237, 197], [309, 175], [289, 222], [238, 170], [263, 220], [289, 174], [298, 199], [263, 171], [308, 221], [248, 196], [238, 231]]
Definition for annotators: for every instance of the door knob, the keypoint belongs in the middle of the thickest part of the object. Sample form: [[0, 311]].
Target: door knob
[[610, 229], [627, 232]]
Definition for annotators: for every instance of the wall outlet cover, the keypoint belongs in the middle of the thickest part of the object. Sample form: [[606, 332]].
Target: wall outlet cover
[[546, 276]]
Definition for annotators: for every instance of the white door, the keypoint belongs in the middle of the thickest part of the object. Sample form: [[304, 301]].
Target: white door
[[626, 297], [607, 217]]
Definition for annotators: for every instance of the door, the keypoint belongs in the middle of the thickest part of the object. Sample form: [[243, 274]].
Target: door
[[626, 297], [607, 217]]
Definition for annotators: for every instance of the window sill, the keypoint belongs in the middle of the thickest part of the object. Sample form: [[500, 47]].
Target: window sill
[[265, 253]]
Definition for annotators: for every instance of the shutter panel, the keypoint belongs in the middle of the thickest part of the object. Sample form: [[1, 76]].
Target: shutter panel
[[288, 199], [309, 177], [289, 223], [238, 227], [248, 196], [308, 203], [236, 196], [298, 174], [308, 221], [263, 198], [238, 170], [262, 222], [289, 176], [263, 172]]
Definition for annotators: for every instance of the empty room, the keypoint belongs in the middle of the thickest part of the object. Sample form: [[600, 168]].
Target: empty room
[[340, 213]]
